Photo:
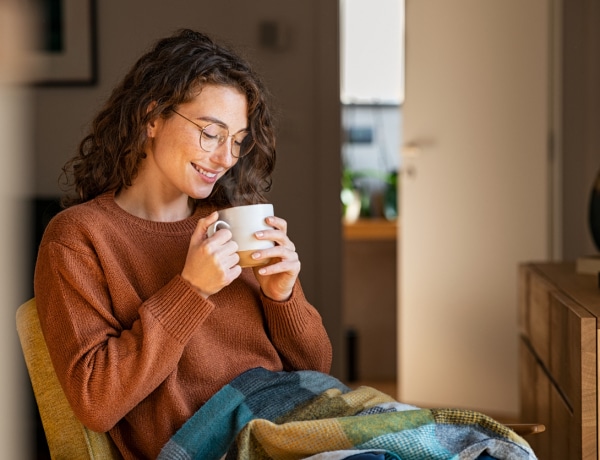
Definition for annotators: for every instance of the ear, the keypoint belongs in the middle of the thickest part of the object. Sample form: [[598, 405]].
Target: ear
[[152, 124]]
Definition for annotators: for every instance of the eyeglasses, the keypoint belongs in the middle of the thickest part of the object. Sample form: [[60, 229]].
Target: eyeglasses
[[213, 135]]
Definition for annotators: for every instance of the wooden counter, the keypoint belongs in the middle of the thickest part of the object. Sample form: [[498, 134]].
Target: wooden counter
[[371, 229]]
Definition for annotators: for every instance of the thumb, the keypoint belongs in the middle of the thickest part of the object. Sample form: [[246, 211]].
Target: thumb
[[204, 224]]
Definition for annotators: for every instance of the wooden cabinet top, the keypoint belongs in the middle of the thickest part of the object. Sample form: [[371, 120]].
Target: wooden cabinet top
[[371, 229], [583, 289]]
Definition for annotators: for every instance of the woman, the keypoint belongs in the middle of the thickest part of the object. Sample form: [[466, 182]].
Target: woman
[[144, 315]]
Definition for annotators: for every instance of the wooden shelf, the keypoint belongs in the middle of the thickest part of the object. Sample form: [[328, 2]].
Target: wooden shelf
[[371, 229]]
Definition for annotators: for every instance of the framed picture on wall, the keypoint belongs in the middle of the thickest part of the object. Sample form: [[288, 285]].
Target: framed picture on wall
[[65, 43]]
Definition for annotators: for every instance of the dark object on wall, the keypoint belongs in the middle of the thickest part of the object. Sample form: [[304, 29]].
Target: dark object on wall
[[273, 36], [67, 52], [594, 211]]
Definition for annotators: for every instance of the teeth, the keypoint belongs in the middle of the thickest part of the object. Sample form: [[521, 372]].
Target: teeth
[[203, 172]]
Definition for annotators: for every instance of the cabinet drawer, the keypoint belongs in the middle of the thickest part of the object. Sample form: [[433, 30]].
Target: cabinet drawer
[[563, 444], [538, 316], [535, 400], [566, 442], [573, 367]]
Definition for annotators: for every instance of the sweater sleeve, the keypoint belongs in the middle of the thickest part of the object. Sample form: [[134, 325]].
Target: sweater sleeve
[[105, 367], [298, 333]]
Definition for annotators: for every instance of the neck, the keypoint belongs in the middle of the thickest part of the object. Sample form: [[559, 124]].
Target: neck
[[145, 207]]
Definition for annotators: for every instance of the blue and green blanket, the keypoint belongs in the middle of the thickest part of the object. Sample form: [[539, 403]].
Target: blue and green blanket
[[263, 415]]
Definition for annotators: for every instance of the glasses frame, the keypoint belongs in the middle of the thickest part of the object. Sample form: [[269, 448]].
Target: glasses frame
[[242, 153]]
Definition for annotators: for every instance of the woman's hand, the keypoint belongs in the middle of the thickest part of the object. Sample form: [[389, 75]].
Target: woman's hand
[[211, 263], [278, 278]]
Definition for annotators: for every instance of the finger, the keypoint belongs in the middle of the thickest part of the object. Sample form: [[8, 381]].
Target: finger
[[224, 236], [277, 222], [210, 219], [230, 262], [221, 243], [203, 224], [276, 253], [278, 237], [278, 265]]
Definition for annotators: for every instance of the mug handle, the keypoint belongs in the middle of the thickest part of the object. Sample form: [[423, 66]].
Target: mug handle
[[218, 225]]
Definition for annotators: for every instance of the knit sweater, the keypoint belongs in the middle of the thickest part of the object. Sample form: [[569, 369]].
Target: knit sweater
[[137, 350]]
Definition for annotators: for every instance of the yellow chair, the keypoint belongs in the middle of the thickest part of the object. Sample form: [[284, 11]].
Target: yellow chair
[[67, 437]]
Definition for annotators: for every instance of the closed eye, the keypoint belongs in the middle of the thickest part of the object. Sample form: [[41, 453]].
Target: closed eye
[[210, 136], [240, 137]]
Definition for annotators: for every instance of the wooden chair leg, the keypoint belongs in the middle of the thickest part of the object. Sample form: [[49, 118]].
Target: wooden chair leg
[[525, 429]]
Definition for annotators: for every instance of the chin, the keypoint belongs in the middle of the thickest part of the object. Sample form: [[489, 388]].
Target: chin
[[200, 195]]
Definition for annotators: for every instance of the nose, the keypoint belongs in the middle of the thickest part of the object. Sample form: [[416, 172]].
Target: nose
[[223, 154]]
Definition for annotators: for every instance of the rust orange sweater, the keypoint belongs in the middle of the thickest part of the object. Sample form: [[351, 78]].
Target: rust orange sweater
[[136, 349]]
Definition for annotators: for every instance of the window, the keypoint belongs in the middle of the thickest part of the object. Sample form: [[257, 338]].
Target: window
[[372, 51]]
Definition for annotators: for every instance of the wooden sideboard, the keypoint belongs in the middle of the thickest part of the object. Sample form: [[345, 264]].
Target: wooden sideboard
[[558, 323]]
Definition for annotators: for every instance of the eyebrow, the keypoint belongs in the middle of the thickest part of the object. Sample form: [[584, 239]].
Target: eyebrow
[[219, 122]]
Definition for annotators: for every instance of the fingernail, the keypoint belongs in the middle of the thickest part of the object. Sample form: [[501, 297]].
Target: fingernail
[[256, 255], [259, 234], [262, 271]]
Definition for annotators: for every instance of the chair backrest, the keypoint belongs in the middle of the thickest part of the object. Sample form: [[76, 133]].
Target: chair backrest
[[67, 438]]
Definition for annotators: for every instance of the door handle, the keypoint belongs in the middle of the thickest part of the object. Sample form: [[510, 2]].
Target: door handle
[[416, 147], [412, 150]]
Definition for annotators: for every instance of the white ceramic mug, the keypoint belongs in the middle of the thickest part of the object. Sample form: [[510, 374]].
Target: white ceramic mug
[[244, 222]]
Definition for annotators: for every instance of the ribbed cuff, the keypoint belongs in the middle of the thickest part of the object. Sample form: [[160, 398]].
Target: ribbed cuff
[[179, 308], [287, 318]]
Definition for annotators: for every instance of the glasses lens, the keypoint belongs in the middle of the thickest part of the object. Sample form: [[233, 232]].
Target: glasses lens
[[212, 136], [242, 144]]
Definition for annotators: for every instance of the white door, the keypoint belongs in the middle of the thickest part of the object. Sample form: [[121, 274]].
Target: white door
[[474, 197]]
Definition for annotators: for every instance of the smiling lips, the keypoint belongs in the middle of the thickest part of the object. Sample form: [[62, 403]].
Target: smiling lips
[[204, 172]]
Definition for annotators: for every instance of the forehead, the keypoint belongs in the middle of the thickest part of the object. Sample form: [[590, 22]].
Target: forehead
[[224, 103]]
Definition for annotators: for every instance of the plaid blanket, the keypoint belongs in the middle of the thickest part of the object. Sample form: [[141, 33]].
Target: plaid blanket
[[265, 415]]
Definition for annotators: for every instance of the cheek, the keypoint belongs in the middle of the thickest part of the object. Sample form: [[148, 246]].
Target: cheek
[[169, 147]]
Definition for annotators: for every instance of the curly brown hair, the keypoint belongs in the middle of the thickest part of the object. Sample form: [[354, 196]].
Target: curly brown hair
[[172, 73]]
